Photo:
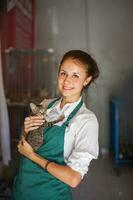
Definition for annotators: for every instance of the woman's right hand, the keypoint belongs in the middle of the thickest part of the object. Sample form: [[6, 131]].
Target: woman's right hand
[[32, 123]]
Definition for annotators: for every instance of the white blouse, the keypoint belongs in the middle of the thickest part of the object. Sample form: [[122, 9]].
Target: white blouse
[[81, 136]]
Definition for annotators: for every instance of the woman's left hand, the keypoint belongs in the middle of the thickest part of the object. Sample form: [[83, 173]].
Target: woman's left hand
[[25, 148]]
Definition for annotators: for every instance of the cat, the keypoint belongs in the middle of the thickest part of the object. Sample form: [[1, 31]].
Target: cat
[[35, 137]]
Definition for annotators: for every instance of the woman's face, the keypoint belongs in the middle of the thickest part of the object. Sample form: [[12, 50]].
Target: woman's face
[[72, 78]]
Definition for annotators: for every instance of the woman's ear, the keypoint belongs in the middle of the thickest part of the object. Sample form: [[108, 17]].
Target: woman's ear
[[87, 81]]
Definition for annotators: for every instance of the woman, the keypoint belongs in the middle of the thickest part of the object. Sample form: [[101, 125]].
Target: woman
[[69, 145]]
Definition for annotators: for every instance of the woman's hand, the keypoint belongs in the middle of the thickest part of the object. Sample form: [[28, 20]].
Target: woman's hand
[[25, 148], [32, 123]]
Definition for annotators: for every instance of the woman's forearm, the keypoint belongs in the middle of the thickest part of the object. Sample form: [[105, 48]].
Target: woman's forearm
[[63, 173]]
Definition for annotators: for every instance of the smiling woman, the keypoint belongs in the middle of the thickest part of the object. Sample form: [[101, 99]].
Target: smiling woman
[[69, 145]]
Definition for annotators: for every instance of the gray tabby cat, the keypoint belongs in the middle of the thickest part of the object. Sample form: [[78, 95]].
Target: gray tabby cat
[[35, 137]]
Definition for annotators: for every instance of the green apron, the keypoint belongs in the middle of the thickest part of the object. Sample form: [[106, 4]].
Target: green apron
[[32, 181]]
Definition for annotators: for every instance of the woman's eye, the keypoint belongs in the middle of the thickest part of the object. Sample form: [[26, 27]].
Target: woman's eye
[[75, 76], [62, 73]]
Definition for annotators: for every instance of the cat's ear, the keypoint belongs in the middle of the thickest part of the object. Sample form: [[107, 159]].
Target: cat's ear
[[44, 103], [33, 108]]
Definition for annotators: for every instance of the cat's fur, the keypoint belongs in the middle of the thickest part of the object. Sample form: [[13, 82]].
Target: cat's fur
[[35, 137]]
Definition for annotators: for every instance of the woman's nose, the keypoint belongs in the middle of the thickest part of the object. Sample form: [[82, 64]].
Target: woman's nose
[[67, 79]]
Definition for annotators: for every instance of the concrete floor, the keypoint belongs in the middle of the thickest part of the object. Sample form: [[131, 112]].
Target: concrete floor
[[102, 183]]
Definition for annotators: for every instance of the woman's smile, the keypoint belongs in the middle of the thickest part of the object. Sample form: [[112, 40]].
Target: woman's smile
[[67, 88]]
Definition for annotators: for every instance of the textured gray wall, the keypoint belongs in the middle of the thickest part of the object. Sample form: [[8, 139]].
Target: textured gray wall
[[111, 41], [60, 25]]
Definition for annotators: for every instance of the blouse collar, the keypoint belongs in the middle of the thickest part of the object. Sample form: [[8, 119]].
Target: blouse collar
[[66, 110]]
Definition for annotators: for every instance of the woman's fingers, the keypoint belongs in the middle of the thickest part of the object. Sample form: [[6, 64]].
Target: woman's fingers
[[32, 125], [31, 129], [34, 118], [33, 122]]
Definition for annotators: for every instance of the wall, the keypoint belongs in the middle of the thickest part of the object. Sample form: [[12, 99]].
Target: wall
[[103, 28], [60, 25], [110, 30]]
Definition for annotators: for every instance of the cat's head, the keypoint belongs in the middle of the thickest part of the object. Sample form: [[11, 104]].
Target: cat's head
[[39, 109]]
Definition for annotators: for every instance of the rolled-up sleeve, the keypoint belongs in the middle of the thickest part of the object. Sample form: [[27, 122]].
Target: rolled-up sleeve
[[86, 146]]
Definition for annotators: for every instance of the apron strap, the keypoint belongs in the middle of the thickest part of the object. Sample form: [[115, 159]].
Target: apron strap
[[73, 113], [52, 103]]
